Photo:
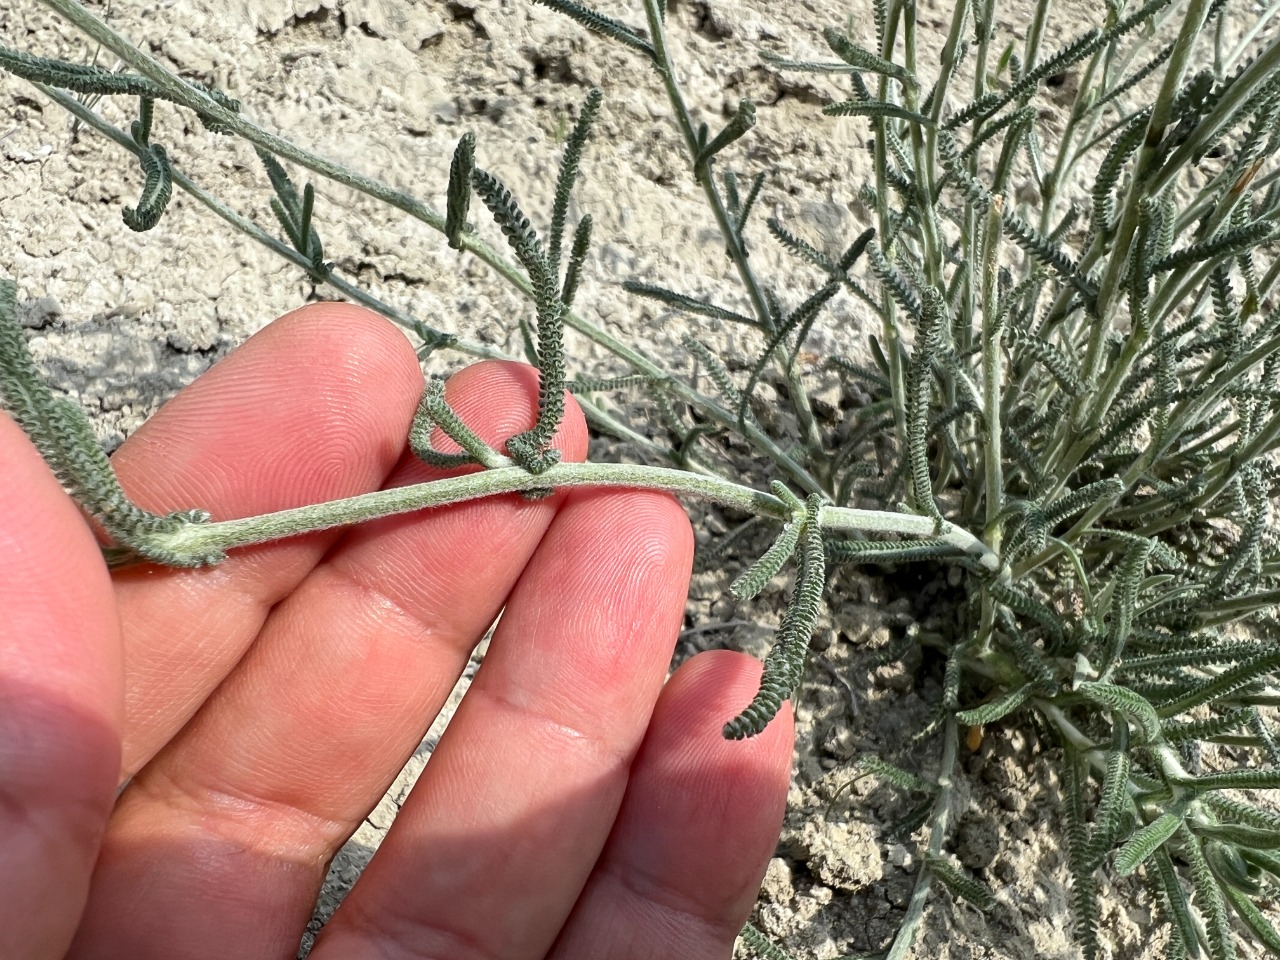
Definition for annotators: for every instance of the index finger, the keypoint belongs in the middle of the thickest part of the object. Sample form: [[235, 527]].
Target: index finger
[[314, 407]]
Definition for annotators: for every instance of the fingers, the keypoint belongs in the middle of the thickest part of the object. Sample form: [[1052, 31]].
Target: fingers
[[496, 841], [60, 704], [701, 818], [316, 406], [300, 741]]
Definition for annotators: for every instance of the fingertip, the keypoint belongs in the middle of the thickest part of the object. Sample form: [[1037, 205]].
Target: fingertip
[[321, 394], [698, 825], [706, 811], [372, 336], [701, 697]]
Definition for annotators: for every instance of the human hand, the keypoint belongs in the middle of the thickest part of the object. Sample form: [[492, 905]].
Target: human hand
[[575, 808]]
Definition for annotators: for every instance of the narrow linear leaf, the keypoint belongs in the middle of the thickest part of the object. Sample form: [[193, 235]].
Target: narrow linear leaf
[[888, 551], [684, 302], [764, 948], [1133, 705], [1030, 658], [577, 257], [458, 199], [155, 192], [1244, 812], [94, 80], [1208, 896], [1128, 581], [960, 885], [1086, 496], [62, 434], [1109, 170], [1236, 780], [1206, 729], [1050, 254], [1254, 919], [1268, 862], [1257, 838], [600, 384], [837, 270], [294, 214], [784, 665], [531, 449], [1115, 793], [757, 576], [1175, 902], [872, 765], [1075, 51], [798, 321], [569, 165], [1224, 685], [996, 709], [140, 129], [806, 66], [875, 108], [744, 210], [1064, 369], [1224, 246], [1145, 842], [743, 119], [1084, 890], [862, 59], [1020, 602], [719, 374], [453, 427], [934, 321], [898, 286], [421, 430], [599, 23]]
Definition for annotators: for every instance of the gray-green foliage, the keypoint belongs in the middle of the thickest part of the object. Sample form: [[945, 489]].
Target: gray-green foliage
[[1069, 398], [62, 433]]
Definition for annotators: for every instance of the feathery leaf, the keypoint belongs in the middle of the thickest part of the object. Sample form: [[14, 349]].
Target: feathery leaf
[[1146, 841], [599, 23]]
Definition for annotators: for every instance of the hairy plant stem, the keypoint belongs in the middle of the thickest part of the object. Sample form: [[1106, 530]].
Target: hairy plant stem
[[1031, 47], [1147, 182], [938, 821], [599, 418], [1066, 456], [203, 538], [237, 124], [1109, 287], [924, 151], [1260, 70], [1181, 419], [704, 174], [922, 154], [992, 376], [666, 71], [894, 350], [252, 230], [1064, 160]]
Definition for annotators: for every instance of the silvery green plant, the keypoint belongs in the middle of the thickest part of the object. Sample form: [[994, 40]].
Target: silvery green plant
[[1069, 402]]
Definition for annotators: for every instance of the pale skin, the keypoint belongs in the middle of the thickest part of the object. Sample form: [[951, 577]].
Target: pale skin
[[577, 806]]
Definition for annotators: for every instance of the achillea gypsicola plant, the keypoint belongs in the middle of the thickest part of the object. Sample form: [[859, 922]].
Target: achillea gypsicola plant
[[1069, 405]]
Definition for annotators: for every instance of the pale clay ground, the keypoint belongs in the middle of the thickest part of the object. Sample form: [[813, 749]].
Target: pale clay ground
[[122, 320]]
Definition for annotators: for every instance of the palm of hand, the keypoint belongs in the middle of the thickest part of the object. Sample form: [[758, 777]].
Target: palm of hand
[[575, 808]]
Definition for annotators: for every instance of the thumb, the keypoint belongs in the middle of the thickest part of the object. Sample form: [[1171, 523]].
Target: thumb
[[60, 704]]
